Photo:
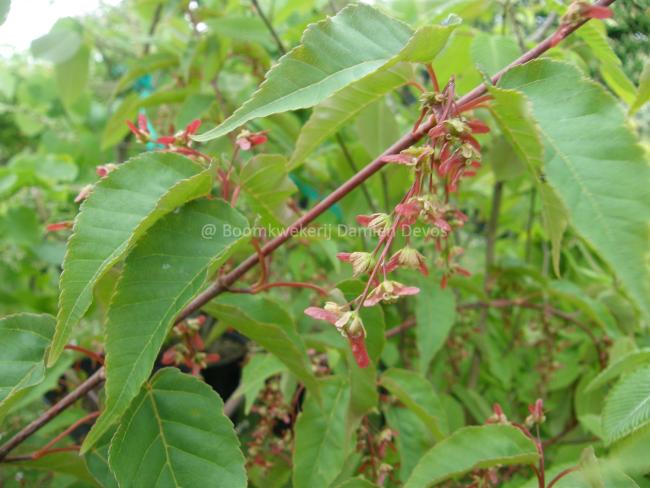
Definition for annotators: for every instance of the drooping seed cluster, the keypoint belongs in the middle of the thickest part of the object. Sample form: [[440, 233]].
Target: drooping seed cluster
[[450, 154]]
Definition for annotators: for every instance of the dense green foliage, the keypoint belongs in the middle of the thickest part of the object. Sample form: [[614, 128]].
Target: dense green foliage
[[497, 334]]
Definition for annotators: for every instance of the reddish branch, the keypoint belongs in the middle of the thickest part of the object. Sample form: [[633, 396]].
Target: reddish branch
[[226, 281], [48, 448], [53, 411], [223, 283], [87, 352]]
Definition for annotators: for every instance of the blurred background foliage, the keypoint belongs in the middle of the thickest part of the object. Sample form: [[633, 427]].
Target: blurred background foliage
[[63, 107]]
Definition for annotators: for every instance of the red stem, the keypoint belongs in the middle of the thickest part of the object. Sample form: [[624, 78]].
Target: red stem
[[52, 412], [434, 78], [290, 284], [416, 85], [29, 457], [46, 448], [87, 352], [561, 475]]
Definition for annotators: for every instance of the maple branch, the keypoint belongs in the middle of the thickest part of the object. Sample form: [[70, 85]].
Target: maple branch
[[223, 283], [52, 412]]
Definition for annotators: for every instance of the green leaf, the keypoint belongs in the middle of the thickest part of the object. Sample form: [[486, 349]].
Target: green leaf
[[175, 434], [472, 448], [491, 52], [643, 95], [241, 28], [265, 182], [417, 394], [627, 363], [97, 461], [36, 393], [334, 53], [512, 112], [23, 341], [331, 114], [257, 370], [627, 407], [611, 68], [119, 210], [596, 167], [377, 128], [62, 463], [413, 438], [5, 5], [356, 483], [364, 396], [505, 162], [435, 314], [72, 76], [321, 437], [271, 327], [166, 269]]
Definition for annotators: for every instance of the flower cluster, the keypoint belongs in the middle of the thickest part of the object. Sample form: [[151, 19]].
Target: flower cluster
[[179, 142], [190, 350], [349, 324], [247, 140], [450, 154]]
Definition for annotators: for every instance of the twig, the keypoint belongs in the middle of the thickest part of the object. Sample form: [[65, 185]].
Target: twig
[[491, 234], [29, 457], [52, 412], [152, 28], [86, 352], [232, 404], [268, 25], [561, 475], [406, 325], [47, 447], [262, 260], [543, 28], [280, 284]]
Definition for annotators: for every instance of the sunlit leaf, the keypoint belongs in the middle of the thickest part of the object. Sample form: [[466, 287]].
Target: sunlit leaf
[[334, 53]]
